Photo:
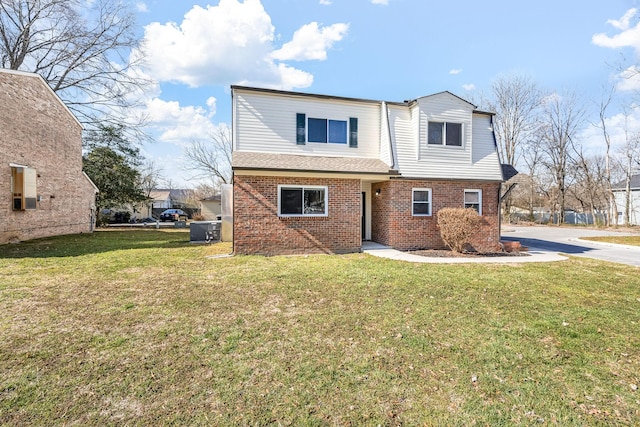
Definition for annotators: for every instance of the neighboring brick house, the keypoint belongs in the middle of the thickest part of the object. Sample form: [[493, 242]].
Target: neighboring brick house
[[322, 174], [43, 191]]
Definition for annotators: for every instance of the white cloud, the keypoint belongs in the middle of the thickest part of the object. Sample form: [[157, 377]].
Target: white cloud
[[142, 7], [628, 37], [623, 23], [455, 71], [383, 2], [311, 42], [233, 43], [180, 125], [593, 140], [212, 104], [629, 79], [469, 87], [325, 2]]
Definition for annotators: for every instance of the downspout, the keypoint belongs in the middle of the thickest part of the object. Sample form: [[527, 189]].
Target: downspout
[[495, 145], [391, 151]]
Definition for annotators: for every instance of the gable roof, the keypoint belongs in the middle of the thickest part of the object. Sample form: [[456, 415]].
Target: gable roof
[[635, 183], [45, 84], [266, 161]]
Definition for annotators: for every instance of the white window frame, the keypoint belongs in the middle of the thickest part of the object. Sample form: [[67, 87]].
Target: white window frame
[[303, 188], [464, 201], [413, 201], [443, 142]]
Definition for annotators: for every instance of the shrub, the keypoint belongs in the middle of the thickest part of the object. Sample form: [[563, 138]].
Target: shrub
[[197, 217], [457, 227]]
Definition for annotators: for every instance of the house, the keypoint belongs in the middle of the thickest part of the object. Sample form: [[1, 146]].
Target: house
[[321, 174], [620, 194], [211, 208], [43, 191]]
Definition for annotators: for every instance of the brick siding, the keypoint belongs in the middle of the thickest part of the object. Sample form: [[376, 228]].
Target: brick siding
[[393, 224], [259, 230], [36, 130]]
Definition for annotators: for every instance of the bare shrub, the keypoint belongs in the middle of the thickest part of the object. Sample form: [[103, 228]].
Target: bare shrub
[[457, 227]]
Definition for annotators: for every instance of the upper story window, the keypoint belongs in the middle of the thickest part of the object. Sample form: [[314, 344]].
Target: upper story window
[[326, 130], [421, 202], [445, 133], [473, 200], [294, 200], [23, 187]]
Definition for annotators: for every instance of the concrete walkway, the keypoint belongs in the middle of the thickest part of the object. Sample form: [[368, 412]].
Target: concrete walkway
[[535, 255]]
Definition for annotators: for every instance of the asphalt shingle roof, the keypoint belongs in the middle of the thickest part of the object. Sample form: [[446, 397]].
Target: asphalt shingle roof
[[292, 162], [635, 183]]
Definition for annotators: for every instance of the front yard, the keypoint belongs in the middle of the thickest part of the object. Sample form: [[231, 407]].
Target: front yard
[[140, 327]]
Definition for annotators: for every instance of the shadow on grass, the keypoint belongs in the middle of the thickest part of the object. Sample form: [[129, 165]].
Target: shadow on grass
[[98, 242]]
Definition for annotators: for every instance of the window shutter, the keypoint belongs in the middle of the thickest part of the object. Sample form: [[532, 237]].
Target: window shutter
[[300, 128], [353, 132]]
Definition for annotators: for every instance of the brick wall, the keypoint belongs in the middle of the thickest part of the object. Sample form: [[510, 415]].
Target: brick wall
[[259, 230], [36, 130], [394, 225]]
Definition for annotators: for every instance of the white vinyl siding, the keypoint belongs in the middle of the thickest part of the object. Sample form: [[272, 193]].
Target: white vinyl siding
[[395, 133], [266, 123], [476, 159], [485, 155]]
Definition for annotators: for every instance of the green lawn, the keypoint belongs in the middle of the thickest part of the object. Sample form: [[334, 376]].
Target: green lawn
[[141, 328], [620, 240]]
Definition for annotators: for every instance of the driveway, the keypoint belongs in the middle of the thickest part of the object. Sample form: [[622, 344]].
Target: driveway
[[567, 240]]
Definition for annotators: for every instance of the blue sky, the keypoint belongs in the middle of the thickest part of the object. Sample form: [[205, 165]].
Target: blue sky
[[376, 49]]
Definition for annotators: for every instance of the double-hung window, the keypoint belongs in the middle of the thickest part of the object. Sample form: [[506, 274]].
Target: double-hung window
[[23, 187], [445, 133], [313, 129], [296, 200], [473, 200], [421, 202]]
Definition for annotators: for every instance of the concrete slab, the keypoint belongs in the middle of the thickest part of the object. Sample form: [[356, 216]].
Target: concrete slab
[[535, 255]]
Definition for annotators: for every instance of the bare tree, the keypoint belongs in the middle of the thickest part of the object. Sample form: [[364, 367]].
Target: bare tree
[[150, 178], [590, 189], [516, 99], [562, 118], [602, 110], [82, 52], [211, 158], [630, 153], [532, 158]]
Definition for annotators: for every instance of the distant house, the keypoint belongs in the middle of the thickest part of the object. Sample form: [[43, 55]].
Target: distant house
[[619, 191], [321, 174], [43, 191], [211, 208]]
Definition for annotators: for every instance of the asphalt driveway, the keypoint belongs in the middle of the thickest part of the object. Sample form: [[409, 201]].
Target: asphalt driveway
[[567, 240]]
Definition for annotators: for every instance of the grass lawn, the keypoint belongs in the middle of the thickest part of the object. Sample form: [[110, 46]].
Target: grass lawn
[[141, 328], [620, 240]]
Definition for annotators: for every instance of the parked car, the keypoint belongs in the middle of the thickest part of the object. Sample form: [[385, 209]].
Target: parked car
[[174, 215]]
